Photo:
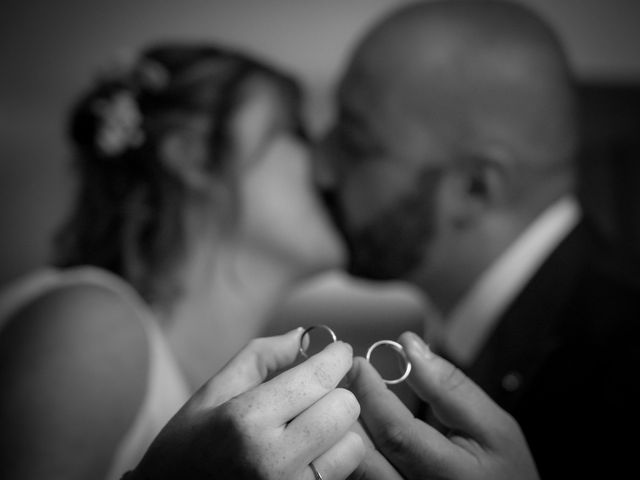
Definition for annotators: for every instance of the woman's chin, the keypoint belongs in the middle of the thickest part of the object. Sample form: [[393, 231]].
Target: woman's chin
[[324, 256], [335, 251]]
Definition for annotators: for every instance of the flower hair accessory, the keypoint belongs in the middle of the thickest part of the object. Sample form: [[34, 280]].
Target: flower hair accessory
[[120, 126]]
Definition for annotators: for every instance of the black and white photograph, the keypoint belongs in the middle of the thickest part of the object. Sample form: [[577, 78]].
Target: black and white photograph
[[319, 240]]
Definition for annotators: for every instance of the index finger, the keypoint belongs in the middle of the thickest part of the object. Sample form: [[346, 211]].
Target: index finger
[[249, 367], [408, 443], [293, 391]]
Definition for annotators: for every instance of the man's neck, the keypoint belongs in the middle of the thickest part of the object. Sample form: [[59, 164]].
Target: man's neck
[[453, 269], [471, 321]]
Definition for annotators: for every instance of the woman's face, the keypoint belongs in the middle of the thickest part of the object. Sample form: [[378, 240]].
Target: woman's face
[[281, 214]]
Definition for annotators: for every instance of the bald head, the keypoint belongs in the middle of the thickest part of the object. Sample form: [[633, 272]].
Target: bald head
[[455, 129], [483, 75]]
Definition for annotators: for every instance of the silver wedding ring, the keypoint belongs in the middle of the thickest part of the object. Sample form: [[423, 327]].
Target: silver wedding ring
[[389, 343], [315, 471], [400, 350], [302, 349]]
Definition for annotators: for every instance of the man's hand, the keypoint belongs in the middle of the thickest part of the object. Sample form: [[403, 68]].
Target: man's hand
[[483, 441], [236, 427]]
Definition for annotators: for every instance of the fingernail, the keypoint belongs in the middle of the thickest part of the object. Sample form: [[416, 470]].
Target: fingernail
[[418, 345]]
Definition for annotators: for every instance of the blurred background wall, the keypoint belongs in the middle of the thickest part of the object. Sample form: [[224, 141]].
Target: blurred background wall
[[50, 49]]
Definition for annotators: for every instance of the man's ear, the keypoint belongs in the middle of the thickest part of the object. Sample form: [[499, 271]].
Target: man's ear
[[488, 181], [482, 184], [184, 153]]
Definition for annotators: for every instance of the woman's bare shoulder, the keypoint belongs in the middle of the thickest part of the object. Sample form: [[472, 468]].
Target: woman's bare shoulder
[[71, 318], [73, 366]]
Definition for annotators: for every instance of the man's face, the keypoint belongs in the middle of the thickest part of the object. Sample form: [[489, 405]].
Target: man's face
[[383, 181]]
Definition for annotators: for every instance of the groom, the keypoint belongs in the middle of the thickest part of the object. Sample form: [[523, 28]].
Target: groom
[[451, 166]]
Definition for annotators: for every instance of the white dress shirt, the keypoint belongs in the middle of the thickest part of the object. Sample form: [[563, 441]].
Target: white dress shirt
[[472, 320]]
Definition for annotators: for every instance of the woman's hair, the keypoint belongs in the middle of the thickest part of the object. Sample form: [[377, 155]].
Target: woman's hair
[[127, 216]]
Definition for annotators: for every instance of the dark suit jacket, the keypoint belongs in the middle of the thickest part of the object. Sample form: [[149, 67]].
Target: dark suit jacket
[[564, 361]]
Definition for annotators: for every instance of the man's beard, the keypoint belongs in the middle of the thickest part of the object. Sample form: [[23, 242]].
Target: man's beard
[[394, 243]]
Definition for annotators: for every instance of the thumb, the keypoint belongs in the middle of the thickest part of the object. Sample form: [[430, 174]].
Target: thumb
[[454, 398], [260, 358]]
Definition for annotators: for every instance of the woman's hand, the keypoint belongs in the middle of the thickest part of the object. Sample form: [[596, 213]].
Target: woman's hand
[[483, 441], [237, 427]]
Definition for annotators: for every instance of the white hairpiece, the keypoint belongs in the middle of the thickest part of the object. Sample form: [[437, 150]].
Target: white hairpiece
[[120, 123]]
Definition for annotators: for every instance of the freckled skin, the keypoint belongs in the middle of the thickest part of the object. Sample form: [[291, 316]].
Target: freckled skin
[[321, 376], [268, 431]]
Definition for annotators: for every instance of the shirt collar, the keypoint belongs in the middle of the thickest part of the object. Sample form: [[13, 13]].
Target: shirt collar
[[472, 320]]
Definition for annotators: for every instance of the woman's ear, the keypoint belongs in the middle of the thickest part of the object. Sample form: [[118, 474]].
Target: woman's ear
[[252, 123], [184, 153]]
